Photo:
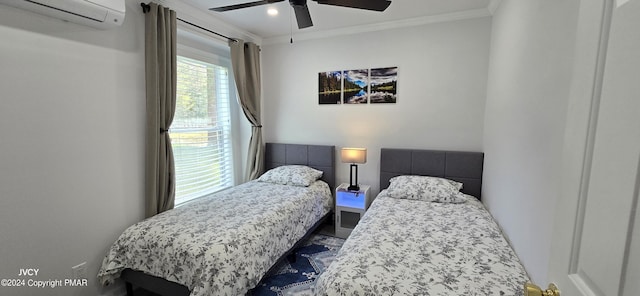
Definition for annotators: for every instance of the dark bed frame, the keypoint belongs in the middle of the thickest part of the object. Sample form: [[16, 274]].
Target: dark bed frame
[[464, 167], [320, 157]]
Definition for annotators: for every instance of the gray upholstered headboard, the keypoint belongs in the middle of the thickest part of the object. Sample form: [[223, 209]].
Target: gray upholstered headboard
[[464, 167], [319, 157]]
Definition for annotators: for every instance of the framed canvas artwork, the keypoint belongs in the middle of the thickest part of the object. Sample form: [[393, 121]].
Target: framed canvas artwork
[[374, 86]]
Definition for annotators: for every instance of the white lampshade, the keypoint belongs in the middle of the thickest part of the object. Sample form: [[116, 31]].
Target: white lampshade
[[354, 155]]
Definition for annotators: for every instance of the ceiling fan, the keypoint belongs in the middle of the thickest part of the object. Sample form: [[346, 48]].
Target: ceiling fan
[[302, 11]]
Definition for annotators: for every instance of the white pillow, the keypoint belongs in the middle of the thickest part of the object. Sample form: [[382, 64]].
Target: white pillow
[[426, 188], [296, 175]]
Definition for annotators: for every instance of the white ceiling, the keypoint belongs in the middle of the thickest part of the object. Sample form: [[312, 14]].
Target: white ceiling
[[333, 18]]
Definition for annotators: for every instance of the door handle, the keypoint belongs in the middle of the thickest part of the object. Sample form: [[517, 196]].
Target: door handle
[[533, 290]]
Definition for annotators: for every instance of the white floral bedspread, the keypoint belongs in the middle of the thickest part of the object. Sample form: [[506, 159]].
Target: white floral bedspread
[[411, 247], [221, 244]]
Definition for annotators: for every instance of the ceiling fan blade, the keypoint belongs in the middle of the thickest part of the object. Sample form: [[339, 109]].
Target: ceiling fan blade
[[376, 5], [302, 16], [243, 5]]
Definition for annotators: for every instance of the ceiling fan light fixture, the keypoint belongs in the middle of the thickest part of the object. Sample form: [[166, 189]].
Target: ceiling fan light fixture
[[300, 9]]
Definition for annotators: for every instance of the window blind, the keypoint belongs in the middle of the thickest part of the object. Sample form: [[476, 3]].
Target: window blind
[[201, 130]]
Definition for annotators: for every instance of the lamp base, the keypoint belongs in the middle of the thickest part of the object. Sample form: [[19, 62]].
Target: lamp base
[[353, 186]]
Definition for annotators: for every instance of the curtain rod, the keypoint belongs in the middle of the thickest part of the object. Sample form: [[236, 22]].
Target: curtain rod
[[146, 8]]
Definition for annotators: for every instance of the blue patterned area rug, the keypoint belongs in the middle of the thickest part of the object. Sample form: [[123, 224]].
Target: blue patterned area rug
[[298, 278]]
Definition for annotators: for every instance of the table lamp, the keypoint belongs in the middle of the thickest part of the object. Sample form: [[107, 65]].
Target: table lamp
[[353, 156]]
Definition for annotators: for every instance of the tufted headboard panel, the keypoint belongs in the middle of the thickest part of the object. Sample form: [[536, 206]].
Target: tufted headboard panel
[[320, 157], [464, 167]]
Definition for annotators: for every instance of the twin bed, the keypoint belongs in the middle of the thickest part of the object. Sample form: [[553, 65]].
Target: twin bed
[[405, 244], [409, 244], [225, 243]]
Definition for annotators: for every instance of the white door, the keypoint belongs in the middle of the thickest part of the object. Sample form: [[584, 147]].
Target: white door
[[596, 248]]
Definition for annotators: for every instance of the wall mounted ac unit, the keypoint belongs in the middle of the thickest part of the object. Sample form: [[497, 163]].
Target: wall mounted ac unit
[[100, 14]]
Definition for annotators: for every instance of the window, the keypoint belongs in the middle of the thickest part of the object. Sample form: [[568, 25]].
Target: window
[[201, 129]]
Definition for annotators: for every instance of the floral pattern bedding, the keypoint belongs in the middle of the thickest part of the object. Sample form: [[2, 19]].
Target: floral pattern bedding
[[412, 247], [221, 244]]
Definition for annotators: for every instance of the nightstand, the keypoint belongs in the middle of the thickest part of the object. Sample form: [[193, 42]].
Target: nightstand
[[350, 206]]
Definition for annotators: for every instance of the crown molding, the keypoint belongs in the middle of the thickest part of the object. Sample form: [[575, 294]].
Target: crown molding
[[412, 22], [493, 6], [209, 21]]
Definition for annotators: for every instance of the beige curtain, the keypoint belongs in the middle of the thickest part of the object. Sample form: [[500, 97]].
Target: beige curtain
[[245, 59], [160, 65]]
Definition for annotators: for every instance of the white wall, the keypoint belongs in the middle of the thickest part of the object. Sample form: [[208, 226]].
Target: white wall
[[72, 139], [442, 74], [530, 70]]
